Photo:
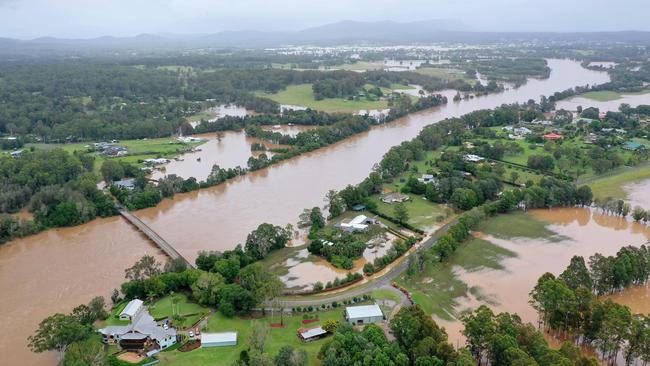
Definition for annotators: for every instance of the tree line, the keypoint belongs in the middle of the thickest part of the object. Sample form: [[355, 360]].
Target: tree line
[[568, 303]]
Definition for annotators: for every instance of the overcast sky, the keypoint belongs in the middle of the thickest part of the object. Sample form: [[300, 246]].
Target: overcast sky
[[92, 18]]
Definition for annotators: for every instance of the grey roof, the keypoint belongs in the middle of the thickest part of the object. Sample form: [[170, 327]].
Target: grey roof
[[313, 332], [133, 306], [219, 337], [143, 325], [364, 311]]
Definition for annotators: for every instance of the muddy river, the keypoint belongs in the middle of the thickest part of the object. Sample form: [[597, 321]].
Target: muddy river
[[638, 193], [581, 232], [57, 270]]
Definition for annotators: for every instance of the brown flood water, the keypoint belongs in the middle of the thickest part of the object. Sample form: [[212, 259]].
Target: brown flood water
[[58, 269], [638, 194], [68, 267], [583, 232]]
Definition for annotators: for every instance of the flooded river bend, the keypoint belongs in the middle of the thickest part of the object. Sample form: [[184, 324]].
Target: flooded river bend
[[57, 270]]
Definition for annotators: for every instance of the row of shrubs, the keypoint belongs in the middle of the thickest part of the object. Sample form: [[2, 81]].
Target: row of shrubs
[[333, 305]]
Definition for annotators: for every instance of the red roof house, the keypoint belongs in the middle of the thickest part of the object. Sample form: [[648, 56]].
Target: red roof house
[[552, 136]]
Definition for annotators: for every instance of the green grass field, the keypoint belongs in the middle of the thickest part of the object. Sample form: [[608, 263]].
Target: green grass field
[[190, 312], [516, 225], [138, 149], [422, 213], [607, 96], [276, 338], [303, 95], [445, 73], [613, 184]]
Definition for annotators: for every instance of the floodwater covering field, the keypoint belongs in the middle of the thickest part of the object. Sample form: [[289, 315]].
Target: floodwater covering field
[[524, 258], [607, 105], [67, 267]]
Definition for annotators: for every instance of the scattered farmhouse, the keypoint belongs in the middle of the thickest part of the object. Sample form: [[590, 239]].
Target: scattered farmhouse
[[541, 122], [364, 314], [157, 161], [218, 339], [473, 158], [552, 136], [359, 223], [128, 183], [427, 179], [633, 146], [142, 333], [395, 198], [16, 153], [311, 334]]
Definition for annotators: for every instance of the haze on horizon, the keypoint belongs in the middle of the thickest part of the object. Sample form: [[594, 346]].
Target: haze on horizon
[[26, 19]]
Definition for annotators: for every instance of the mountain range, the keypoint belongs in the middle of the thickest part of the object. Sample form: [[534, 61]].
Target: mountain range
[[344, 32]]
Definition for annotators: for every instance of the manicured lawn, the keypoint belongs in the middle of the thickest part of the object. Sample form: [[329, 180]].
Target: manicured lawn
[[276, 338], [385, 294], [303, 95], [190, 312], [422, 213], [114, 317]]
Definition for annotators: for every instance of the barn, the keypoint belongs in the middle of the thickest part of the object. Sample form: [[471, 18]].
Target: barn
[[364, 314]]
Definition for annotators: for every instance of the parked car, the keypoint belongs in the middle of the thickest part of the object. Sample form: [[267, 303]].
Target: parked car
[[191, 334], [197, 331], [165, 326]]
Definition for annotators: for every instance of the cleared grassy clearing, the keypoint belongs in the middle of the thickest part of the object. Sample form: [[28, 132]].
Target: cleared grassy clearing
[[276, 338], [614, 185], [516, 225], [422, 213], [607, 96], [303, 95], [138, 149], [190, 312], [445, 73]]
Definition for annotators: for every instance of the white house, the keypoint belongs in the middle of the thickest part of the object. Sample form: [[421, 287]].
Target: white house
[[132, 309], [142, 333], [218, 339], [522, 131], [473, 158], [364, 314], [427, 179], [359, 223], [394, 198]]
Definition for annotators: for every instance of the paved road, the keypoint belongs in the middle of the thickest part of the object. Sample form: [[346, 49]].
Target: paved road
[[383, 282]]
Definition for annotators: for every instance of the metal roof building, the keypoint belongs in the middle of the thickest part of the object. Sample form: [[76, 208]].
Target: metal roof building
[[218, 339], [364, 314]]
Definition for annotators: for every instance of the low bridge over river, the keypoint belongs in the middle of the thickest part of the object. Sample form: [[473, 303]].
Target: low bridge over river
[[153, 236]]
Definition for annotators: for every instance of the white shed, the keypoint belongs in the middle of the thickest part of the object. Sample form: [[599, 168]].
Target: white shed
[[219, 339], [364, 314], [131, 310]]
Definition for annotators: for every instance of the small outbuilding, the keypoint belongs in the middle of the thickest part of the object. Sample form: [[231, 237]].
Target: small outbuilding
[[132, 309], [311, 334], [364, 314], [218, 339]]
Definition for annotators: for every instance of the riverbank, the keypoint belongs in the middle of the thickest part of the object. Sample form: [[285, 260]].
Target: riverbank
[[521, 246], [216, 218]]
